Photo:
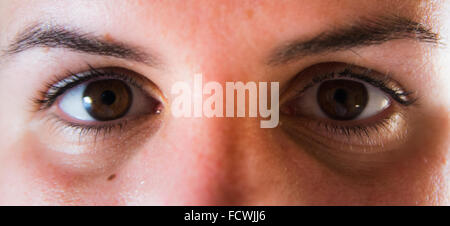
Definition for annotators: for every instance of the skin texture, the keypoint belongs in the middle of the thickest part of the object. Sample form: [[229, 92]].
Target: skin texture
[[220, 161]]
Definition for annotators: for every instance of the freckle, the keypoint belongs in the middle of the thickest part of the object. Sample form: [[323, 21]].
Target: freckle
[[249, 13], [46, 49], [108, 37], [112, 177]]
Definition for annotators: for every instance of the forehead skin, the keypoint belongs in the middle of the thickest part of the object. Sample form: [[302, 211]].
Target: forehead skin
[[215, 37]]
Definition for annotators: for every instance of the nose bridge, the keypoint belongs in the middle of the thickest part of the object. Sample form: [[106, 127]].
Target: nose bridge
[[212, 155], [216, 150]]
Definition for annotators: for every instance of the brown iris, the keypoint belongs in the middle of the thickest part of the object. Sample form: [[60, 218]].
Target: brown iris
[[342, 99], [107, 100]]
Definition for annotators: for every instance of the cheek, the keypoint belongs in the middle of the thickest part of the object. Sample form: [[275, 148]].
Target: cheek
[[417, 177], [193, 162], [421, 177], [31, 178], [25, 179]]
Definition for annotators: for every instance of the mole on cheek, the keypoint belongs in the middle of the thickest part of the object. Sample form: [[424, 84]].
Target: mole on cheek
[[112, 177]]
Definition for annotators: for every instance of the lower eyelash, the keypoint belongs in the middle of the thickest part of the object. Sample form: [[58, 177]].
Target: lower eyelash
[[92, 131], [366, 132], [359, 131]]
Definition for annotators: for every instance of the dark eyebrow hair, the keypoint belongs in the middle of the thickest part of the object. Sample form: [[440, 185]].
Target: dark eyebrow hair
[[364, 32], [56, 36]]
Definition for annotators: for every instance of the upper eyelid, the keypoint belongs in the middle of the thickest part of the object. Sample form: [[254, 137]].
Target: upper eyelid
[[399, 95], [59, 86]]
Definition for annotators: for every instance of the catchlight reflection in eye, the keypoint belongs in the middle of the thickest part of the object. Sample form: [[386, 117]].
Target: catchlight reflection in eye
[[342, 99], [102, 100]]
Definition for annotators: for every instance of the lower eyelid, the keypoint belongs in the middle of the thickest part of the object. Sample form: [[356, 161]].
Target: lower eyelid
[[100, 135], [89, 152], [355, 155], [386, 129]]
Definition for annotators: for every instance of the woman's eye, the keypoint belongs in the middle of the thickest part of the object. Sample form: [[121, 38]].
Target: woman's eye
[[342, 100], [100, 116], [105, 99], [337, 103]]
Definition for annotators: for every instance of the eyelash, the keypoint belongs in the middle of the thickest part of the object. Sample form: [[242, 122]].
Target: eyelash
[[60, 85], [398, 94]]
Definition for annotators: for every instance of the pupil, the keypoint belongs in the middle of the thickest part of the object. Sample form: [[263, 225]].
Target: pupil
[[342, 99], [108, 97], [340, 96]]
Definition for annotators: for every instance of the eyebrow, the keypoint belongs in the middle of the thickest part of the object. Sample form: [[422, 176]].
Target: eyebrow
[[56, 36], [365, 32]]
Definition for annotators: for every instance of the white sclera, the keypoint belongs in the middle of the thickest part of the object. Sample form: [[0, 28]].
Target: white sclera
[[72, 103], [378, 101]]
